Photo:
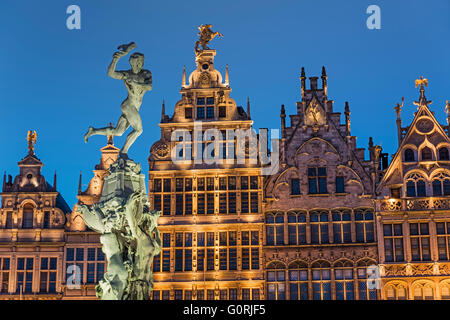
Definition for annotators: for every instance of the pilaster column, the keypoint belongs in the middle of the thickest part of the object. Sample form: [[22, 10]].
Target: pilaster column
[[406, 239]]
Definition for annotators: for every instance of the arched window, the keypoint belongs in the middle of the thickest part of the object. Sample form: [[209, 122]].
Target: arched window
[[441, 185], [445, 291], [341, 226], [276, 286], [415, 186], [443, 154], [298, 281], [343, 275], [275, 229], [28, 217], [395, 292], [364, 225], [409, 155], [426, 154], [319, 227], [423, 291], [297, 228], [321, 280], [365, 293]]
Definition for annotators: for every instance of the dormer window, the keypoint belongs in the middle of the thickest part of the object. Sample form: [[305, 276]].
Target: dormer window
[[27, 222], [409, 155], [188, 113], [222, 112], [426, 154]]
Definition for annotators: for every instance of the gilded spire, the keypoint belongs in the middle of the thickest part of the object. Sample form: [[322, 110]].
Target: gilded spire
[[163, 111], [248, 107], [31, 138], [422, 99], [183, 80]]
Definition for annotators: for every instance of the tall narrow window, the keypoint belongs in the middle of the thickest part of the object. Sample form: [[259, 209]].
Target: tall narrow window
[[420, 241], [443, 240], [4, 275], [317, 180], [365, 293], [319, 227], [275, 229], [426, 154], [340, 185], [295, 186], [28, 217], [321, 280], [9, 220], [276, 286], [25, 275], [188, 113], [343, 275], [393, 242], [409, 155], [297, 228], [46, 223], [364, 223], [48, 275], [443, 154], [298, 281], [342, 226]]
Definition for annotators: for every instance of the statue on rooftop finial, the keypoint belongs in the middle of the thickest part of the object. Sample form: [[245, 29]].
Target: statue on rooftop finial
[[206, 35], [137, 81], [31, 138]]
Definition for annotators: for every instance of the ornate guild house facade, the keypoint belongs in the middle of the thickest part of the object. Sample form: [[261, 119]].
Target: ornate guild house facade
[[328, 224]]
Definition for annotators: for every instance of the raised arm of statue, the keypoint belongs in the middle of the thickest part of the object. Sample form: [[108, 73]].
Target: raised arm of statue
[[120, 75]]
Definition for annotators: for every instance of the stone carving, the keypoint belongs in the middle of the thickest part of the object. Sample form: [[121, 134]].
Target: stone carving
[[129, 231], [206, 35], [160, 149], [137, 81]]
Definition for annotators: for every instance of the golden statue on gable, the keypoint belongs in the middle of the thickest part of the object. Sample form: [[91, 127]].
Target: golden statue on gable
[[31, 138], [206, 35]]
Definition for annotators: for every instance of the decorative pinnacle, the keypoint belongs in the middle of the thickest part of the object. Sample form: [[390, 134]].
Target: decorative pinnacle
[[163, 110], [227, 76], [31, 138], [248, 107], [398, 108], [303, 76], [324, 73], [110, 137], [183, 80], [422, 99]]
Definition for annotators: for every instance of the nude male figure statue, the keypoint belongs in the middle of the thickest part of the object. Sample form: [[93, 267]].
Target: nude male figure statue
[[137, 81]]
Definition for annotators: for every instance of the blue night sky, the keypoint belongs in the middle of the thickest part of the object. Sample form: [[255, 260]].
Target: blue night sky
[[53, 80]]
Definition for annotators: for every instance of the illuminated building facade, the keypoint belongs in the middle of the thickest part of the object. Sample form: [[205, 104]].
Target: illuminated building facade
[[413, 210], [319, 216], [43, 246], [211, 214], [309, 231]]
